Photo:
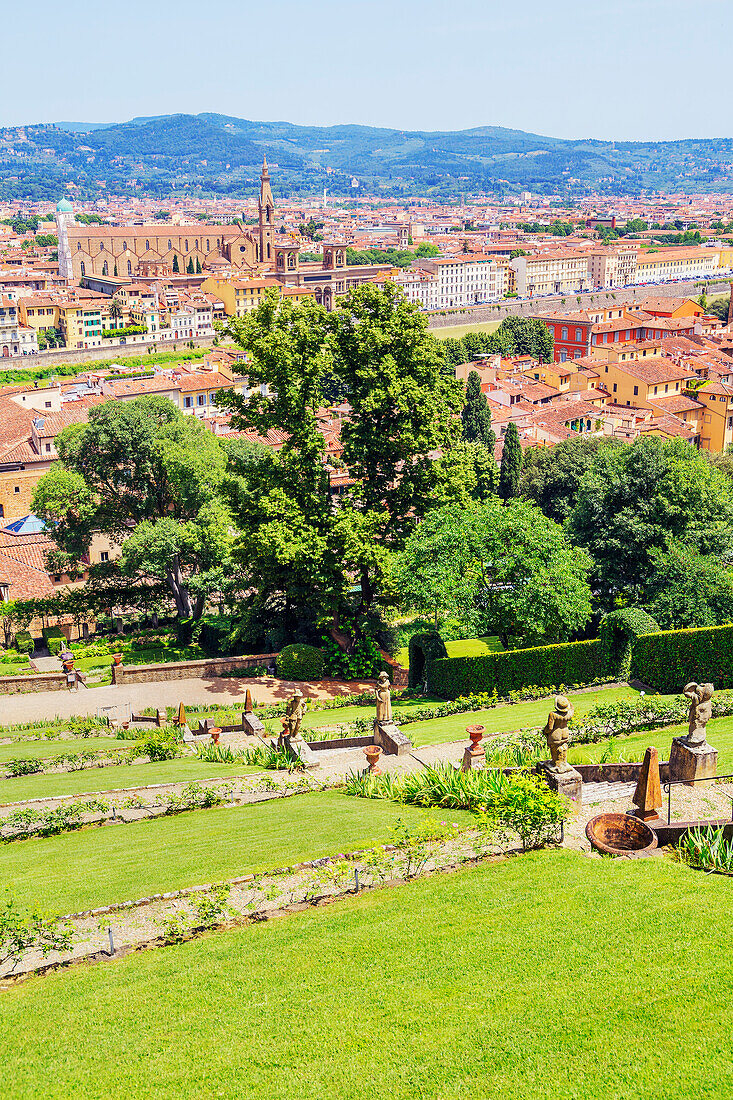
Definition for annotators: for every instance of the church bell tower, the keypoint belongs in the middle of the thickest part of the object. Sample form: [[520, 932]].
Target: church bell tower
[[267, 215]]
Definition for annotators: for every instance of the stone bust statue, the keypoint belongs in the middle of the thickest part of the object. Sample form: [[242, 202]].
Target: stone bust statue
[[701, 709], [556, 733]]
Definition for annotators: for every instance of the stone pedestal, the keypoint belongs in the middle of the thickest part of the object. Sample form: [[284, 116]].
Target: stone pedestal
[[251, 724], [390, 738], [473, 759], [297, 747], [692, 762], [569, 783]]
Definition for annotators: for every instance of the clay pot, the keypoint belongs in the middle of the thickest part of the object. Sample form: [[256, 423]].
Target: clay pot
[[215, 732], [68, 664], [372, 753], [620, 835], [117, 658], [475, 733]]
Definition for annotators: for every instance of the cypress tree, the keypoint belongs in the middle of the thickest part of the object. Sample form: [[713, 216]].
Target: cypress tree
[[189, 269], [176, 268], [198, 266], [476, 414], [511, 464]]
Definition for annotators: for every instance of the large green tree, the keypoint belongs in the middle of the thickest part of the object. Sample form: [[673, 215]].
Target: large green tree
[[551, 476], [511, 463], [476, 414], [506, 569], [638, 499], [149, 478], [686, 588]]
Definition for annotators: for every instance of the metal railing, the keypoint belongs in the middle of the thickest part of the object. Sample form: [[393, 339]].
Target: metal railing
[[689, 783]]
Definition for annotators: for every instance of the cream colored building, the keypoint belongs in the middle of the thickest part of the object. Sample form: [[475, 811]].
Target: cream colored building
[[561, 272]]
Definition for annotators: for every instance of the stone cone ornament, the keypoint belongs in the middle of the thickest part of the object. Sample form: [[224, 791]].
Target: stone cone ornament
[[248, 702], [648, 794], [181, 715]]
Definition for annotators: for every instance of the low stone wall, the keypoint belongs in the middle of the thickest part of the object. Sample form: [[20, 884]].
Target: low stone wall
[[185, 670], [41, 681], [617, 773]]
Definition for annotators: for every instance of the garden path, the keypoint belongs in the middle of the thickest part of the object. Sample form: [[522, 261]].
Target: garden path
[[35, 706]]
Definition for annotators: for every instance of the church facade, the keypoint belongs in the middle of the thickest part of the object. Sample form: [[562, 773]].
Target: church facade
[[160, 249]]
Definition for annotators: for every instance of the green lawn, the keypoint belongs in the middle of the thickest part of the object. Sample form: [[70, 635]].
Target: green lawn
[[34, 749], [549, 976], [504, 719], [474, 647], [720, 736], [106, 779], [316, 718], [100, 866], [457, 331]]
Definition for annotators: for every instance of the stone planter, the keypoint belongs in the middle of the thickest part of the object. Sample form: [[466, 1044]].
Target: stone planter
[[475, 733], [620, 835], [215, 732], [117, 658], [372, 753]]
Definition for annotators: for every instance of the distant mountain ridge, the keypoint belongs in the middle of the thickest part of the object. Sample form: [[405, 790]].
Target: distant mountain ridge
[[219, 154]]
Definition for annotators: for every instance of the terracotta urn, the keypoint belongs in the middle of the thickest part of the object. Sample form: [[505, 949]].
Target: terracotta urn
[[475, 733], [372, 753], [117, 658], [215, 732]]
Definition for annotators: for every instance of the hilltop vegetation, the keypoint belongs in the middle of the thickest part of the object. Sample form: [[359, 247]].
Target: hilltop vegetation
[[219, 154]]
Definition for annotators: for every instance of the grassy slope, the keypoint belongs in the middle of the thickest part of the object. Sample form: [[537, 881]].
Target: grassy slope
[[505, 719], [457, 331], [550, 976], [33, 749], [115, 778], [720, 736], [98, 866]]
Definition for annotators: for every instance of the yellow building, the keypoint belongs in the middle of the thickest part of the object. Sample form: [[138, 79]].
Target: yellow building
[[241, 296], [668, 264], [716, 421]]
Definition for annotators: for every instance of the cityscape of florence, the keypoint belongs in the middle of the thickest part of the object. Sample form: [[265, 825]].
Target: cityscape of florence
[[366, 552]]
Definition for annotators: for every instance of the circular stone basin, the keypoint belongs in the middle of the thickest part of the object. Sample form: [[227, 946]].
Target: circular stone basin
[[620, 835]]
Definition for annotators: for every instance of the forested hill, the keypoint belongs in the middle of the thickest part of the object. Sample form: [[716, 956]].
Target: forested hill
[[218, 154]]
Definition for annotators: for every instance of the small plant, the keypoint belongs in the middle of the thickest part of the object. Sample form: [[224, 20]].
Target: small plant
[[159, 744], [212, 907], [707, 849], [22, 931], [175, 928], [264, 756], [22, 766], [218, 754]]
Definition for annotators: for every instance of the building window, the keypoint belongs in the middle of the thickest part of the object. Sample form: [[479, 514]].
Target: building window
[[578, 335], [78, 246], [104, 555], [124, 246], [188, 402], [208, 245], [105, 269], [186, 243], [563, 355], [636, 391], [615, 387], [83, 269], [16, 489], [147, 246], [47, 404], [170, 246], [202, 399], [129, 267]]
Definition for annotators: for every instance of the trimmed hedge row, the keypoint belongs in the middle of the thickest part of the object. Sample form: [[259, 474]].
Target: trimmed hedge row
[[55, 639], [546, 666], [300, 662], [672, 658]]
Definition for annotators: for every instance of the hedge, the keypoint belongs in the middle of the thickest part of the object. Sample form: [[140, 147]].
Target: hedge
[[23, 642], [618, 632], [546, 666], [669, 659], [300, 662], [423, 648], [55, 639], [214, 637]]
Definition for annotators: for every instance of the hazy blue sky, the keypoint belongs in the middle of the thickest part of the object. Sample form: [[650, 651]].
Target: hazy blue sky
[[625, 69]]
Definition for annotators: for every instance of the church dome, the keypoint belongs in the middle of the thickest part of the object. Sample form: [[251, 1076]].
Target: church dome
[[64, 207]]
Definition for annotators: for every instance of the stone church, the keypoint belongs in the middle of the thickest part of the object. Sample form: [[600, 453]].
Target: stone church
[[158, 249]]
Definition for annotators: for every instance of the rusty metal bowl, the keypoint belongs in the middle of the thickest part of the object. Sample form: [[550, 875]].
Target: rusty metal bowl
[[620, 835]]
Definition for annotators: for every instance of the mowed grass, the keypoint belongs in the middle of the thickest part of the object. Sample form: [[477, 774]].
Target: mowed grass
[[549, 975], [94, 867], [124, 776], [720, 736], [513, 716], [457, 331], [33, 750], [465, 647]]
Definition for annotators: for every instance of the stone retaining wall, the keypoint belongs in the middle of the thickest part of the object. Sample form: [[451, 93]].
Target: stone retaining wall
[[41, 681], [185, 670]]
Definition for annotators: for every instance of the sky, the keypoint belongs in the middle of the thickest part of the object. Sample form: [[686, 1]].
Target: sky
[[610, 69]]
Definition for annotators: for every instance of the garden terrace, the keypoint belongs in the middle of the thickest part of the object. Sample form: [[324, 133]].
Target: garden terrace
[[613, 947]]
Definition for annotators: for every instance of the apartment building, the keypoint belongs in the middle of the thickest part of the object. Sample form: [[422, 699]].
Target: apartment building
[[15, 337], [560, 272], [669, 264], [459, 281], [614, 265]]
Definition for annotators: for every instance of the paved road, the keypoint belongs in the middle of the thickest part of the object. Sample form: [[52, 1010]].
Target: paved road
[[63, 704]]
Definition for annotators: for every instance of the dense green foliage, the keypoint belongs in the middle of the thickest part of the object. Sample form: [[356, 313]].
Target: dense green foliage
[[618, 632], [551, 476], [300, 662], [54, 638], [514, 336], [507, 569], [476, 414], [511, 464], [573, 664], [666, 661]]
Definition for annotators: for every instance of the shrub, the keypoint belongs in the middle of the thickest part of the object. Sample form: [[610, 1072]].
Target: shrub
[[55, 639], [18, 767], [553, 666], [300, 662], [158, 744], [23, 642], [618, 632], [423, 649], [669, 659], [21, 931]]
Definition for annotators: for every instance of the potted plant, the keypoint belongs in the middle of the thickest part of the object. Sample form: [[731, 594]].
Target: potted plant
[[215, 732]]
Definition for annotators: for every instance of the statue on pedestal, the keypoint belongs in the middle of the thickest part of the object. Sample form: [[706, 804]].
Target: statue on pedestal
[[384, 698], [556, 733], [294, 713], [701, 710]]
